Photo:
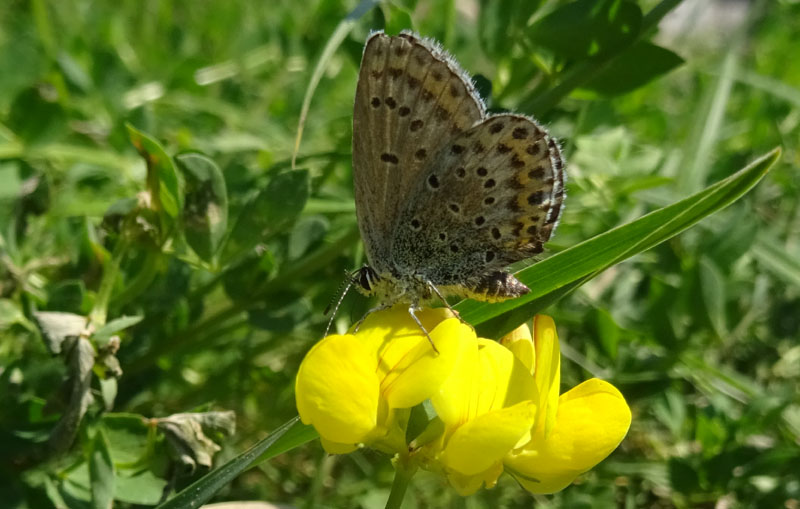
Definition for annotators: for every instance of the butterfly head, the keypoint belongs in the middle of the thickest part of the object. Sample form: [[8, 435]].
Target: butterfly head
[[389, 287], [366, 279]]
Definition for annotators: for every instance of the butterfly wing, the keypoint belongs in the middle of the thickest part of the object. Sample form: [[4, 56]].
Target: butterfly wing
[[411, 98], [492, 195]]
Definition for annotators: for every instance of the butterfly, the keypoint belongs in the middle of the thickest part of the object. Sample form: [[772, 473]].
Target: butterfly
[[447, 195]]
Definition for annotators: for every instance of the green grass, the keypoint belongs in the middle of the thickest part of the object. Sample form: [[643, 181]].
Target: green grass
[[215, 289]]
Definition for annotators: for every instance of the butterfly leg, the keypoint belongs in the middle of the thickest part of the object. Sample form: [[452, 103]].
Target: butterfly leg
[[444, 301], [411, 310]]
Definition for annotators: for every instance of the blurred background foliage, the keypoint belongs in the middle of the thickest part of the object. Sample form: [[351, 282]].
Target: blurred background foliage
[[145, 183]]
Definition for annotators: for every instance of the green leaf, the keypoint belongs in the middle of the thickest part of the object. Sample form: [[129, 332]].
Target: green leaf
[[306, 233], [769, 252], [587, 28], [563, 272], [143, 488], [101, 472], [35, 118], [272, 211], [712, 288], [205, 211], [127, 434], [102, 334], [290, 435], [499, 19], [108, 385], [607, 331], [397, 19], [633, 68], [163, 183], [11, 314]]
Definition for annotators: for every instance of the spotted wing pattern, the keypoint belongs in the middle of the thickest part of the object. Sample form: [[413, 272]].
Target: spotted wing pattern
[[411, 99], [490, 196]]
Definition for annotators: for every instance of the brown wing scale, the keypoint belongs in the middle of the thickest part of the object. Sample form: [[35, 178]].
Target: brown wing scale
[[410, 99], [490, 197]]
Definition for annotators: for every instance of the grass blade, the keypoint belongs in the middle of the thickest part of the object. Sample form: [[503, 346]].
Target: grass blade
[[335, 40], [290, 435]]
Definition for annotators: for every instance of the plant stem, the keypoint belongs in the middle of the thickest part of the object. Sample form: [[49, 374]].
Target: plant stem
[[402, 478], [110, 272], [139, 283]]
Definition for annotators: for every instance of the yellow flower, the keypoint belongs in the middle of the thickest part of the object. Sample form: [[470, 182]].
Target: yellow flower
[[502, 411], [353, 388], [488, 406], [574, 431], [497, 405]]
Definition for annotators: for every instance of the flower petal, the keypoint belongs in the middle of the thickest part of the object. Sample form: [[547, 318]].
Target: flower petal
[[458, 389], [504, 380], [395, 325], [468, 484], [484, 379], [547, 372], [337, 389], [482, 442], [592, 420], [415, 370], [520, 342]]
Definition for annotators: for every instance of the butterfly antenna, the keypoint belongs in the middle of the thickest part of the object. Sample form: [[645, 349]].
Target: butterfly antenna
[[346, 284], [337, 295]]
